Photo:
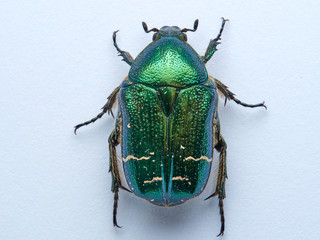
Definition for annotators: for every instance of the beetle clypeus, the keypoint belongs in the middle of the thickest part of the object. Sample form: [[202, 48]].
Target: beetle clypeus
[[167, 121]]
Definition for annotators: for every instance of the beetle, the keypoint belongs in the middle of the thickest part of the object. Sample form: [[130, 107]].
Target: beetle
[[167, 122]]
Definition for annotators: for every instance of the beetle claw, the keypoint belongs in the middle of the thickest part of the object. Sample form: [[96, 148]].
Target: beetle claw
[[226, 20], [76, 128], [264, 105], [220, 234], [116, 225]]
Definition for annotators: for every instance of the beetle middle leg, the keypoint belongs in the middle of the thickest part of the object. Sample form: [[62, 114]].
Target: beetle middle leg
[[106, 108], [231, 96], [126, 56], [212, 47], [114, 140]]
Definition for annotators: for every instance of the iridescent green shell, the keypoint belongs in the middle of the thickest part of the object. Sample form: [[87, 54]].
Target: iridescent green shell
[[168, 62], [167, 108]]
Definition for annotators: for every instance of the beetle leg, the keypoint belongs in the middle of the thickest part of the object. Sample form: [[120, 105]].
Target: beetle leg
[[116, 183], [222, 175], [114, 140], [106, 108], [212, 47], [126, 56], [231, 96]]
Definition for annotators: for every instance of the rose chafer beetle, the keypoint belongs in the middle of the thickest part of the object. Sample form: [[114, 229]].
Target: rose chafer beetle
[[167, 122]]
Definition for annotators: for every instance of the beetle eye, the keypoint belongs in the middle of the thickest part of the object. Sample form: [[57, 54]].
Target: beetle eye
[[154, 36]]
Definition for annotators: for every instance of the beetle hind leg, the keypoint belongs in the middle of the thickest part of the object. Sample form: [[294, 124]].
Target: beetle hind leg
[[113, 168], [222, 175], [114, 140]]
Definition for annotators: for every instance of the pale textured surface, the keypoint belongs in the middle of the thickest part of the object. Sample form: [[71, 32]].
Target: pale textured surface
[[57, 67]]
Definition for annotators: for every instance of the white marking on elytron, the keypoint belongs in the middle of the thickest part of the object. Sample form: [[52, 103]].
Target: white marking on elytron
[[128, 126], [151, 200], [182, 147], [198, 159], [160, 179], [180, 178], [153, 179], [135, 158], [152, 153]]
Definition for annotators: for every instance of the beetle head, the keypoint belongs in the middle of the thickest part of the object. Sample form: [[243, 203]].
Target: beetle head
[[170, 31]]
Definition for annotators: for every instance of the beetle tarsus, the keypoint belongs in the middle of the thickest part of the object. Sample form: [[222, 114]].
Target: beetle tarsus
[[88, 122], [222, 220], [126, 56], [115, 207], [248, 105], [222, 27], [221, 210]]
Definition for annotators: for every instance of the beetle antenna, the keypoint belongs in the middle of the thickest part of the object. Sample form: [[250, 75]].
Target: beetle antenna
[[145, 27], [195, 26]]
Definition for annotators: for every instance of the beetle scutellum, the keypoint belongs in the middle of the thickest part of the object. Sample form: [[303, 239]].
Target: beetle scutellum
[[167, 121]]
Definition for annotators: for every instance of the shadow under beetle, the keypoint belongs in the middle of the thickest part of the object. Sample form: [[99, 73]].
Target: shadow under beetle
[[167, 121]]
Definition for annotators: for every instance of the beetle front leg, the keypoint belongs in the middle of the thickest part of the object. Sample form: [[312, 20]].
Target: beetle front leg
[[106, 108], [126, 56], [114, 139], [212, 47], [222, 175], [231, 96]]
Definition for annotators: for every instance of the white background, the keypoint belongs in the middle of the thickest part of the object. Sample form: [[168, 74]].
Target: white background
[[57, 67]]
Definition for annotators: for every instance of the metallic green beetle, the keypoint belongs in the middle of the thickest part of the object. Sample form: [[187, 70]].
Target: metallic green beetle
[[167, 122]]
